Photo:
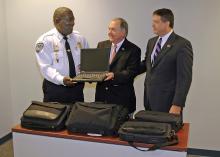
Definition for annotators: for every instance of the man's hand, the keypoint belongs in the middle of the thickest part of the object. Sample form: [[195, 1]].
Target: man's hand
[[175, 109], [109, 76], [68, 81]]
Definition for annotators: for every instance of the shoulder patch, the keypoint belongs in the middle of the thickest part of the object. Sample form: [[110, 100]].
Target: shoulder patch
[[39, 47]]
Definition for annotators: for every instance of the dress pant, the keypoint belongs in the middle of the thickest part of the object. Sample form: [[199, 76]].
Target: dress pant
[[62, 94]]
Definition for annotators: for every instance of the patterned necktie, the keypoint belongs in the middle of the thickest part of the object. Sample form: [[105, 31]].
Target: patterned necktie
[[113, 54], [157, 50], [72, 71]]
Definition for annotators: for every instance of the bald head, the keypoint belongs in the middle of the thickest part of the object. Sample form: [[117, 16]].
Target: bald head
[[63, 19]]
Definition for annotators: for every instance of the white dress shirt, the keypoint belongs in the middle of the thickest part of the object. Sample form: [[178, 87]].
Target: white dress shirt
[[51, 54], [164, 40]]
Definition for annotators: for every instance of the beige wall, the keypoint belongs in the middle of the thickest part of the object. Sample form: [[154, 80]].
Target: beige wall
[[196, 20], [5, 98]]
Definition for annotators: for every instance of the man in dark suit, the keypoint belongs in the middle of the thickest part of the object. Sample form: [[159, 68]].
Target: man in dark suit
[[168, 66], [124, 64]]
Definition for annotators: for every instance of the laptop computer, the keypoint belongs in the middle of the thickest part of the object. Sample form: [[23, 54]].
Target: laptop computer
[[94, 65]]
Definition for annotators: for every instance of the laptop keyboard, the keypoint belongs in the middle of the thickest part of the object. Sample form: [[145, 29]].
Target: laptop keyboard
[[90, 77]]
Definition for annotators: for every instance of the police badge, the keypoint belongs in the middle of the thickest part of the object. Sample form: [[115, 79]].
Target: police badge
[[79, 45]]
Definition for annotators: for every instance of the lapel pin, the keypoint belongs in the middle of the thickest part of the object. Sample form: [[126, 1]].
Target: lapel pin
[[168, 46], [123, 49]]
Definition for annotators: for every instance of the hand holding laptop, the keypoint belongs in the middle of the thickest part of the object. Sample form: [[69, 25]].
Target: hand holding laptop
[[68, 81], [109, 76]]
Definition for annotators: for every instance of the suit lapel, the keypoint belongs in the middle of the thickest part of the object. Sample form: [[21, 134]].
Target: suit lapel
[[166, 47], [152, 45], [108, 44], [151, 48], [120, 52]]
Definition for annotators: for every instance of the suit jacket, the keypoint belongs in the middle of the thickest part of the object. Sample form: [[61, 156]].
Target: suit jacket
[[125, 67], [168, 81]]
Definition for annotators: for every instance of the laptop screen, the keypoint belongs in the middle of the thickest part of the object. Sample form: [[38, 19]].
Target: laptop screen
[[95, 60]]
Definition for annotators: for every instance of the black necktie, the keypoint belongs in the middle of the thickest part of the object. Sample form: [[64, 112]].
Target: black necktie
[[72, 71]]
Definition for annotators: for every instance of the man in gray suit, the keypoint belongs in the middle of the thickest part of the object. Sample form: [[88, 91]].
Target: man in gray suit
[[168, 66]]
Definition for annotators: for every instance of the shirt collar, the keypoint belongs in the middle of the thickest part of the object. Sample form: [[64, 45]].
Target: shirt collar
[[166, 36], [60, 36], [119, 44]]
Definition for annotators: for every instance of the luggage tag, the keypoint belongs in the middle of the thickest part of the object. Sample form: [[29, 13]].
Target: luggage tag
[[91, 134]]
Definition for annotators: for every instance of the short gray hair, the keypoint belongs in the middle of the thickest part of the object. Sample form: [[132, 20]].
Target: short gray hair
[[123, 24]]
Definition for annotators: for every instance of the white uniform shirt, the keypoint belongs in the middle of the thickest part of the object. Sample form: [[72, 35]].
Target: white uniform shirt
[[51, 54]]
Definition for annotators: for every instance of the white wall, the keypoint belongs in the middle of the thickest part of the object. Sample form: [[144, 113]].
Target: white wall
[[5, 98], [196, 20]]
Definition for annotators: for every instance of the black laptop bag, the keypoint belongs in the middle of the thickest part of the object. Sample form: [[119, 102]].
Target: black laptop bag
[[45, 116], [96, 118], [151, 116], [158, 134]]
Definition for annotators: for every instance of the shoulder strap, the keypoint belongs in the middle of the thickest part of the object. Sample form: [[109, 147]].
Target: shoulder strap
[[156, 146]]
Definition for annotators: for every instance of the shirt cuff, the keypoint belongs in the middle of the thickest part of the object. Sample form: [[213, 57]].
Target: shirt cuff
[[60, 79]]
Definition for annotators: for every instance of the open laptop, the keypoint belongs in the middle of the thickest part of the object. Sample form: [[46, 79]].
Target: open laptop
[[94, 65]]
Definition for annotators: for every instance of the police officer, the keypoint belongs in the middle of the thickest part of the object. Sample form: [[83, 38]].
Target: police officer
[[58, 56]]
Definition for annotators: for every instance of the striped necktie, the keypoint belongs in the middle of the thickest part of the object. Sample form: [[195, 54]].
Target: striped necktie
[[157, 50], [113, 53]]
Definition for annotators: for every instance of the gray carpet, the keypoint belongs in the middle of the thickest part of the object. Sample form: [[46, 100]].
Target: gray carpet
[[6, 150]]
